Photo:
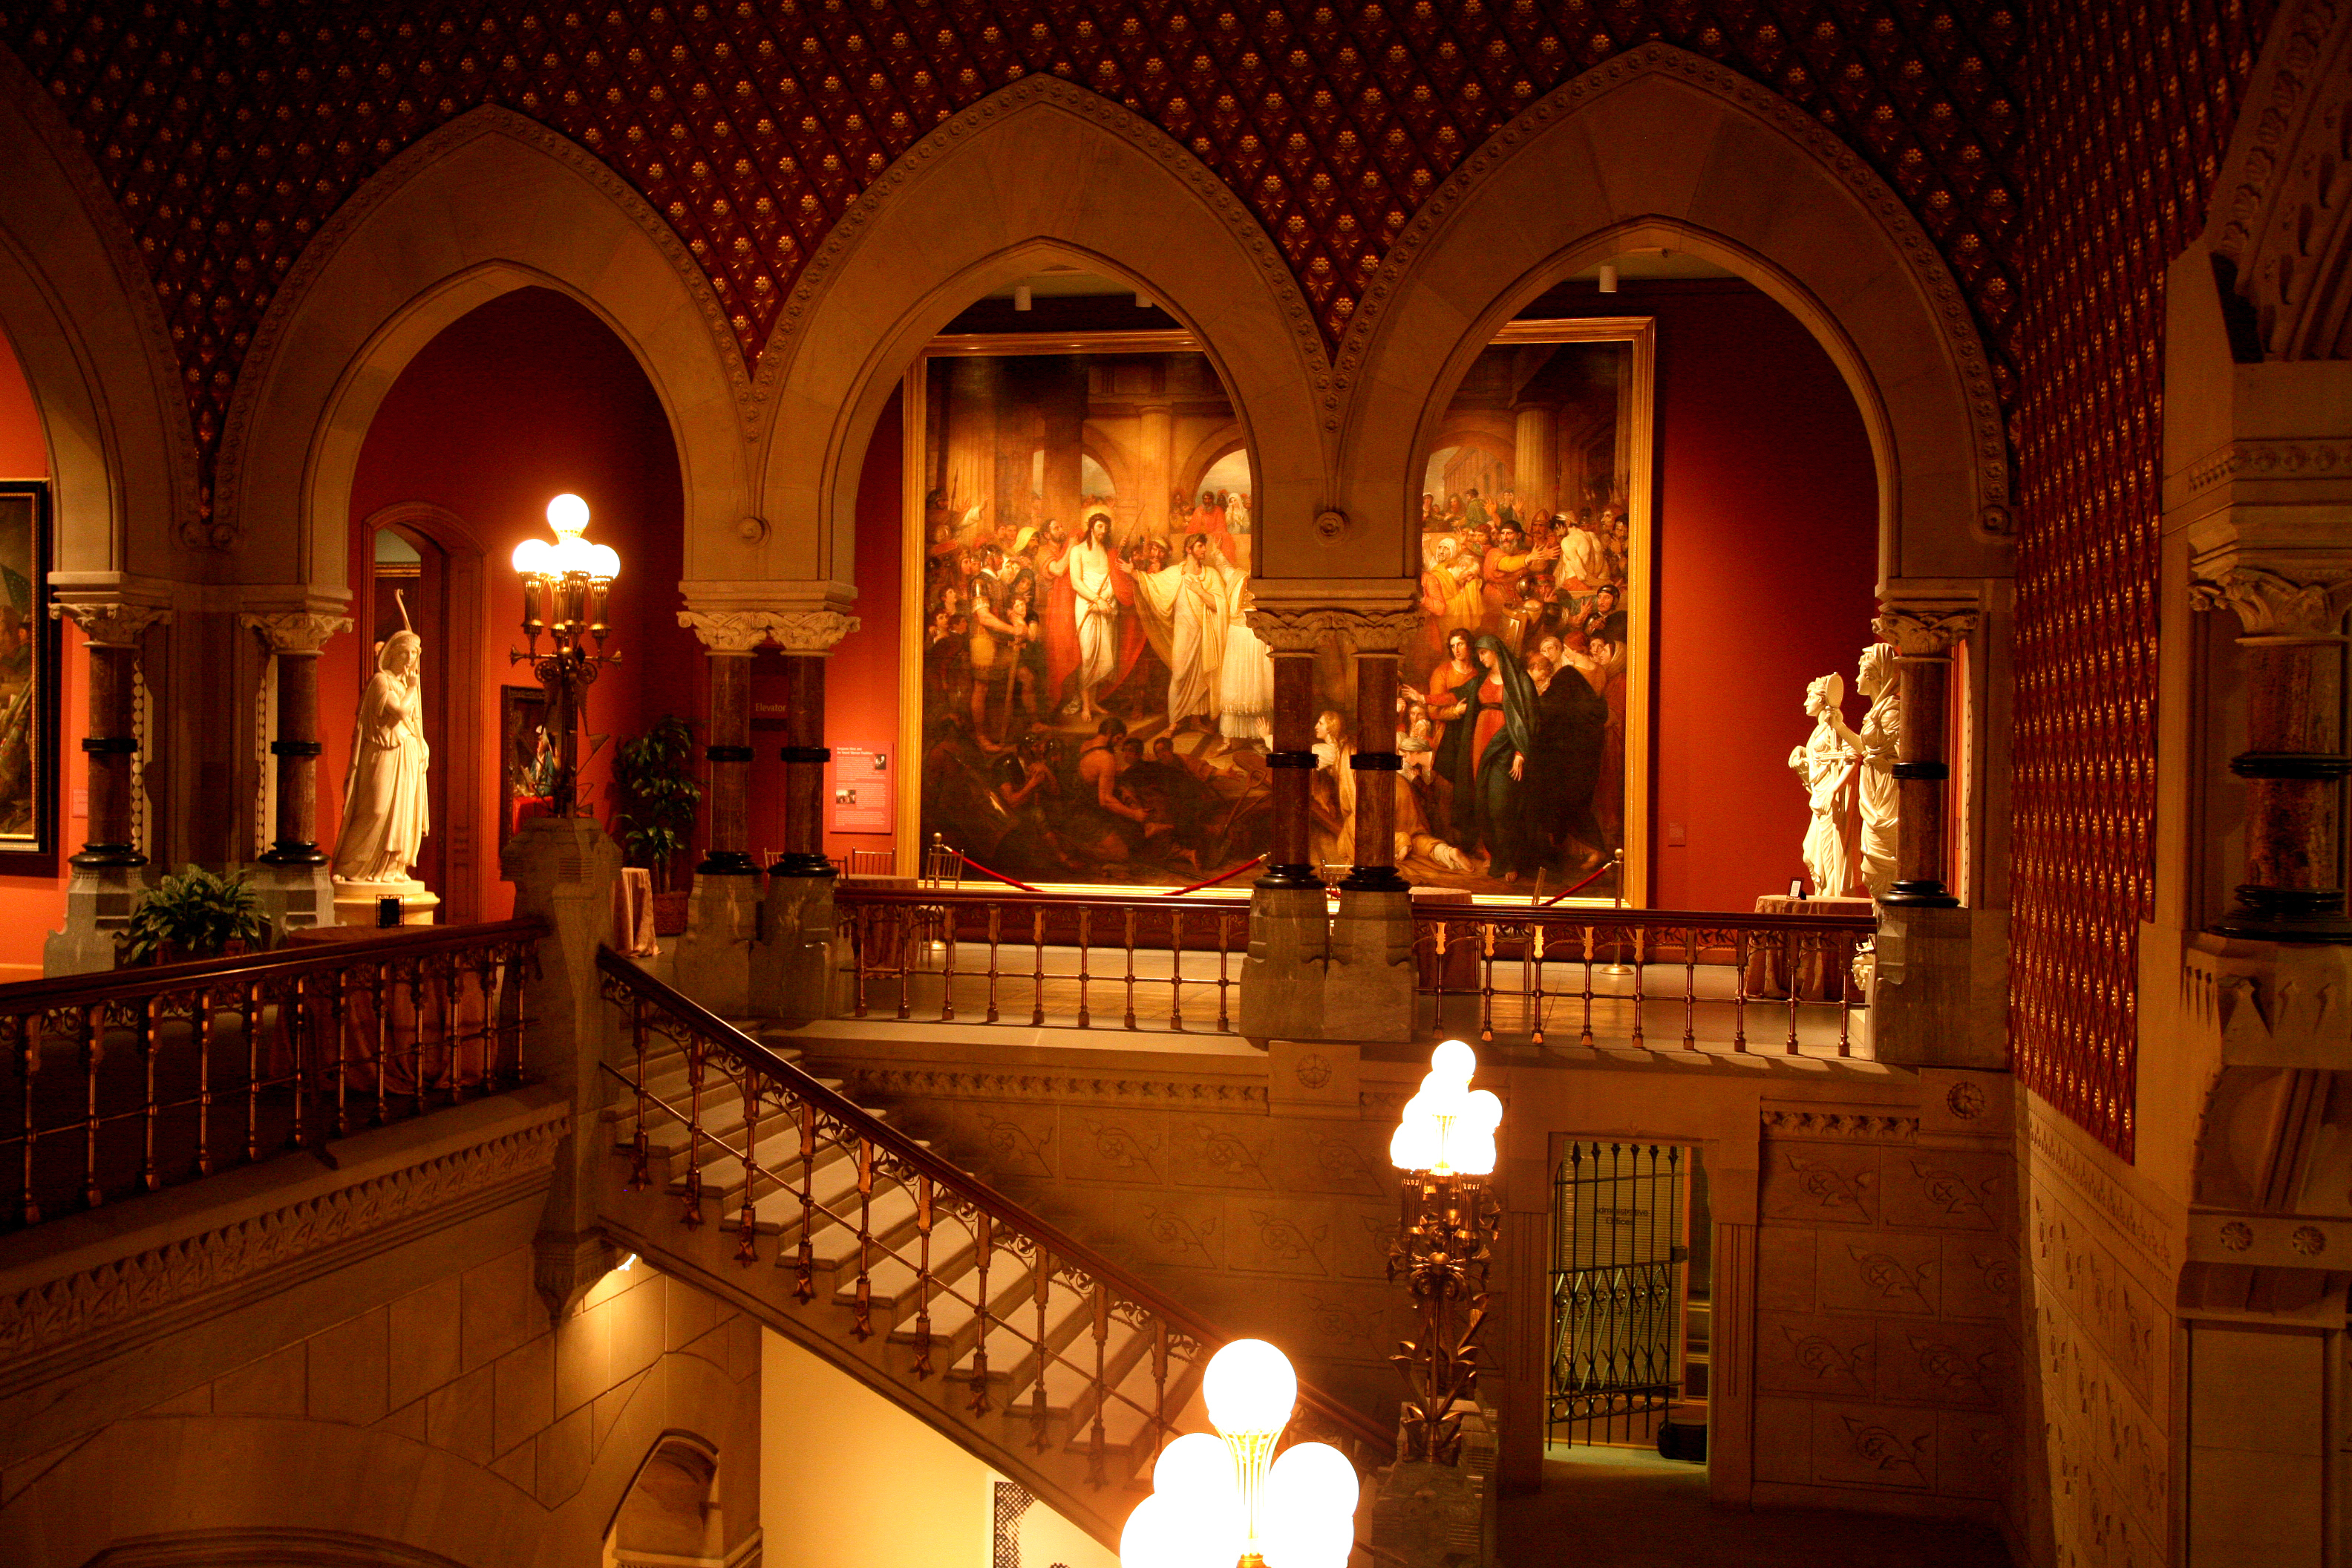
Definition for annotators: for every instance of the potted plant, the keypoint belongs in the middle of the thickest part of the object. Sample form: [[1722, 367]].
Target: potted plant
[[655, 776], [196, 914]]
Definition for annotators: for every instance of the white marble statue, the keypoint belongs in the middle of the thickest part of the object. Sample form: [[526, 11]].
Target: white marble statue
[[1875, 749], [1825, 767], [385, 815]]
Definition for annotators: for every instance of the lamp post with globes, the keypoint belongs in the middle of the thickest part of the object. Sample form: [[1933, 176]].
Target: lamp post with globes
[[1230, 1500], [1445, 1146], [564, 588]]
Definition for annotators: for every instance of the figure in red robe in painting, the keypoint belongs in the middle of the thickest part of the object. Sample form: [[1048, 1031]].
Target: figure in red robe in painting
[[1093, 637]]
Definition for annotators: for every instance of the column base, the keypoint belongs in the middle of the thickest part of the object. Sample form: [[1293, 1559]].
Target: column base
[[807, 867], [294, 897], [356, 902], [1282, 972], [2280, 914], [1288, 879], [1938, 988], [99, 901], [794, 965], [714, 956], [727, 863], [1373, 985], [1921, 896]]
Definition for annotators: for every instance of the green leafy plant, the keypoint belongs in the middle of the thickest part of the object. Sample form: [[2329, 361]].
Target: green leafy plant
[[654, 775], [196, 914]]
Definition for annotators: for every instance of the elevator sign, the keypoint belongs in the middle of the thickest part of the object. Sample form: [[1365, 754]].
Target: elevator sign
[[861, 791]]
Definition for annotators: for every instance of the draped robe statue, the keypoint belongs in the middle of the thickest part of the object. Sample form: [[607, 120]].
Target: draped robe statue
[[1876, 748], [1826, 767], [385, 815]]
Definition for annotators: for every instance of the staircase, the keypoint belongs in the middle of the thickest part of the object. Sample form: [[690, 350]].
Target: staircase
[[736, 1170]]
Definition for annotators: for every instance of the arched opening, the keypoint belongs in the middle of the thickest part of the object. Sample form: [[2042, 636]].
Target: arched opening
[[524, 397], [669, 1516]]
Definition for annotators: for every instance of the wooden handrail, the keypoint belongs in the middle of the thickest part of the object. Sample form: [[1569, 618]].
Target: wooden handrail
[[997, 893], [276, 964], [856, 1118]]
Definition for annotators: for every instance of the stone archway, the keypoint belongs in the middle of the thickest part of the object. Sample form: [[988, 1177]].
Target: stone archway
[[918, 248], [489, 204]]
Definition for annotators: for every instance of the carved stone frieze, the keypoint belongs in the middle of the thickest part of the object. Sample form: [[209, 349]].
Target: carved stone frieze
[[727, 631], [2273, 605], [810, 631], [1924, 631], [112, 625], [2279, 211], [295, 631], [2130, 1219], [1844, 1126], [2273, 460], [1292, 628], [107, 1297], [916, 1082]]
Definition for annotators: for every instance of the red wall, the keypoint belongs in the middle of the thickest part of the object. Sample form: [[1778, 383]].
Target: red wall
[[1766, 562], [32, 907], [1767, 566], [527, 396]]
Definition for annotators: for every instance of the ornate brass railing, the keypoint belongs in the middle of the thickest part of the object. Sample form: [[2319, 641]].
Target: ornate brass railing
[[1750, 981], [1024, 1322], [133, 1080], [986, 955]]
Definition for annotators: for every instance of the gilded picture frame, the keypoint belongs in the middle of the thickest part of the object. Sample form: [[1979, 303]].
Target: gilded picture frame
[[31, 770]]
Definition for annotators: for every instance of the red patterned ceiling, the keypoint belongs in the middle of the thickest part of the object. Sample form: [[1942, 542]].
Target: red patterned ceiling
[[230, 132], [2118, 87]]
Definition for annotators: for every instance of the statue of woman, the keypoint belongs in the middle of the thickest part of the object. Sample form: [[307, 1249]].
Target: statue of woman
[[1825, 767], [385, 815], [1876, 748]]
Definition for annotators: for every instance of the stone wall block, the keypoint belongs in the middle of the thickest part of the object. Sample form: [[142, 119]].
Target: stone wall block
[[274, 1385], [1101, 1145], [1275, 1234], [1882, 1446], [424, 1325], [688, 1316], [1816, 1355], [1223, 1151], [584, 1358], [1945, 1363], [566, 1450], [524, 1393], [1784, 1268], [1784, 1440], [1975, 1457], [1947, 1189], [497, 1312], [1179, 1230], [1821, 1183], [349, 1370], [1344, 1159], [1879, 1272], [1979, 1276], [459, 1415]]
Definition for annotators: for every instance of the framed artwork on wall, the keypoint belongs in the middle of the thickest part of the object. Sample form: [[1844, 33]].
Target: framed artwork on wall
[[1089, 708], [30, 768], [1526, 724], [1087, 701], [525, 758]]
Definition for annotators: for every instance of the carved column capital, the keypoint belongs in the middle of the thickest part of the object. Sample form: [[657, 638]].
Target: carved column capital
[[295, 632], [1923, 631], [810, 631], [2276, 607], [1291, 629], [727, 631], [112, 625]]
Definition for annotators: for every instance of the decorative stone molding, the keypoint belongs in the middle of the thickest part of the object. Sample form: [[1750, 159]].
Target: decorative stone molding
[[1033, 92], [810, 631], [295, 631], [2270, 1240], [112, 625], [2272, 460], [727, 631], [1289, 628], [1925, 633], [1928, 270], [919, 1082], [2285, 216], [1840, 1126], [411, 162], [106, 1297], [2131, 1219], [2272, 606]]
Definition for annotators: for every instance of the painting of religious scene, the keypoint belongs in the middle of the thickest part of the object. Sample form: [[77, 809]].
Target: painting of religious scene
[[1523, 688], [28, 676], [1095, 707]]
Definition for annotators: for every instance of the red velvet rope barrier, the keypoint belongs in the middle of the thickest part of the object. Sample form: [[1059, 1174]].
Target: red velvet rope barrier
[[991, 871], [1174, 893], [1212, 881], [1614, 860]]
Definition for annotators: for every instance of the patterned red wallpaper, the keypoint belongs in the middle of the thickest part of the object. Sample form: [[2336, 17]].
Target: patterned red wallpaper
[[2131, 106], [230, 131]]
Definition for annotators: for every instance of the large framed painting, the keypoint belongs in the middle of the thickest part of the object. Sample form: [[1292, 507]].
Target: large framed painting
[[527, 759], [29, 770], [1078, 681], [1525, 727]]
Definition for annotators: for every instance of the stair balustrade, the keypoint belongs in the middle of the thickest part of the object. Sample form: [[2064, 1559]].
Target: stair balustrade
[[738, 1169]]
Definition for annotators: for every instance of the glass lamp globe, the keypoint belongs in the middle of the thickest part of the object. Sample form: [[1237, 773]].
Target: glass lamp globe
[[1249, 1387], [567, 514], [604, 563], [1313, 1479], [534, 558], [1454, 1062]]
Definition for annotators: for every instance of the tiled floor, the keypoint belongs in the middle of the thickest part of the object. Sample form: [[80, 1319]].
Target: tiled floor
[[1625, 1508]]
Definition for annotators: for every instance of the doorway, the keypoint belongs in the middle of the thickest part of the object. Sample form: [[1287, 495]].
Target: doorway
[[1630, 1294]]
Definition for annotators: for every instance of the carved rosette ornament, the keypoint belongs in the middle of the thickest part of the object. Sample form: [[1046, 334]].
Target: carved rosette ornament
[[2294, 763]]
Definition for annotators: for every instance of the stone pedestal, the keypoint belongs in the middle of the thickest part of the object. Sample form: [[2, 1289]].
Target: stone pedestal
[[1283, 974], [356, 902], [563, 868], [1432, 1516], [99, 901], [1940, 994], [795, 963], [1370, 993], [714, 955], [294, 897]]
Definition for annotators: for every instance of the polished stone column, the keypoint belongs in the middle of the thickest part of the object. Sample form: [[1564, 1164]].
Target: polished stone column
[[1290, 919], [290, 878], [1922, 639], [2294, 763], [793, 963], [1376, 765], [105, 876], [714, 955], [1291, 864]]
